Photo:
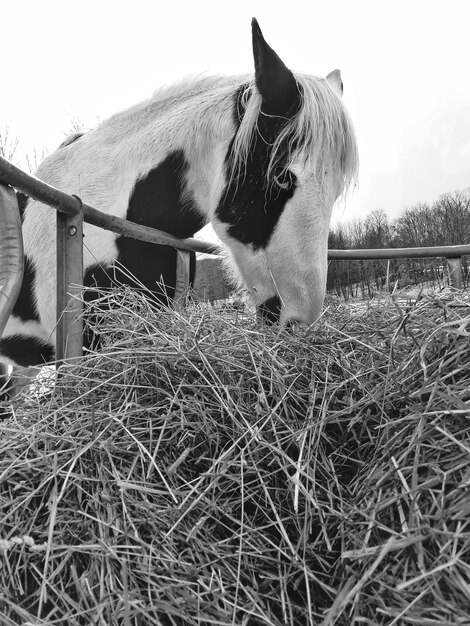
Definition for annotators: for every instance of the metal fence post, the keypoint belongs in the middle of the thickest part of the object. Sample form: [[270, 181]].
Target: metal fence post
[[454, 265], [183, 260], [69, 337]]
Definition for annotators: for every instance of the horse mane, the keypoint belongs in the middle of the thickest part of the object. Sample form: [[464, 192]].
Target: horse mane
[[319, 134], [192, 103], [181, 92], [190, 86]]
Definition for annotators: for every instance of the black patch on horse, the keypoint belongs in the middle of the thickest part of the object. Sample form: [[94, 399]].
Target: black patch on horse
[[24, 307], [160, 200], [251, 205], [26, 351]]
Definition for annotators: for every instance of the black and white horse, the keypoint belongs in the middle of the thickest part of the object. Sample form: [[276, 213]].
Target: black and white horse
[[262, 158]]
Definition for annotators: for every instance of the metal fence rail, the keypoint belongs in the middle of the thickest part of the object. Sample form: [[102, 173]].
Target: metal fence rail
[[449, 252]]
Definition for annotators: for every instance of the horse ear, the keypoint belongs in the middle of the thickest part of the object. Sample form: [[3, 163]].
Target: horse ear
[[276, 83], [334, 78]]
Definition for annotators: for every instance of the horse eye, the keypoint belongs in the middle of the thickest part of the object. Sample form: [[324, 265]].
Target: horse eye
[[284, 179]]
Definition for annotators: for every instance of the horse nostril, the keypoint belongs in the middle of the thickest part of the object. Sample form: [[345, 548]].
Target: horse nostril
[[270, 310]]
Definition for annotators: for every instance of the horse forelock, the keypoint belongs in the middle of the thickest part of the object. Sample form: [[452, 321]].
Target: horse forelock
[[319, 134]]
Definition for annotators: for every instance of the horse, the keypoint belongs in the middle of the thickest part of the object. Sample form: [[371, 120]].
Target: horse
[[263, 158]]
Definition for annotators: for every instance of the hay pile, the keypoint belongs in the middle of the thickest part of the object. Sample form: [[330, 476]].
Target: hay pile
[[203, 470]]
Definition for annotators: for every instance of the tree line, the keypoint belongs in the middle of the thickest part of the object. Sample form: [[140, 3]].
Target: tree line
[[445, 222]]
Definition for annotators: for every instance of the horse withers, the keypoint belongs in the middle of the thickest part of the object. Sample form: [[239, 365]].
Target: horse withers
[[263, 158]]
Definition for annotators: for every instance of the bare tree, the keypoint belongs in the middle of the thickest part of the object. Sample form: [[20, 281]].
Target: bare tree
[[377, 230], [453, 210], [418, 225], [8, 144]]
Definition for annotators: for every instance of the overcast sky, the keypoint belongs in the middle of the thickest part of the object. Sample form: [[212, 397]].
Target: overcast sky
[[405, 68]]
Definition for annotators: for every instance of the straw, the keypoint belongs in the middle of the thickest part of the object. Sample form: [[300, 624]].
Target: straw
[[202, 469]]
